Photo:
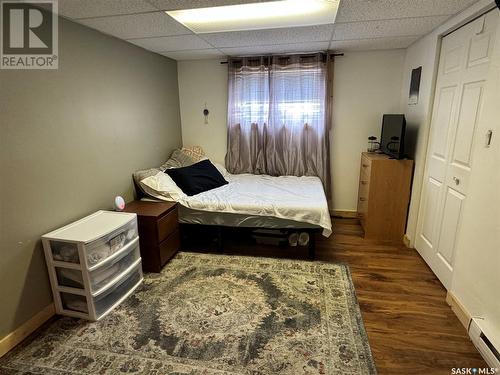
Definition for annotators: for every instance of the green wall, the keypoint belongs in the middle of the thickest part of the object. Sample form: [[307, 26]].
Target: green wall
[[69, 142]]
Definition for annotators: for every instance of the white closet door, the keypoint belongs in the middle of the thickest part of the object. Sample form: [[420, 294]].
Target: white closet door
[[463, 71]]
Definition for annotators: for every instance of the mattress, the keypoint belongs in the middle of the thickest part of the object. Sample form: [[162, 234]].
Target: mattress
[[258, 199], [190, 216]]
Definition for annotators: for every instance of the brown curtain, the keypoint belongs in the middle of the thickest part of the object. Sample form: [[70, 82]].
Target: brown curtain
[[279, 116]]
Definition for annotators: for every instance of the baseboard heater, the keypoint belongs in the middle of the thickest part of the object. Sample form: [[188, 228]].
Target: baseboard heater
[[483, 344]]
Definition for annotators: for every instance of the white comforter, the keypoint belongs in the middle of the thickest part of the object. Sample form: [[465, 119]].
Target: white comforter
[[295, 198]]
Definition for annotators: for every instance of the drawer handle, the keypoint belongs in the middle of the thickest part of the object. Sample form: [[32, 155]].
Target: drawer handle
[[364, 182], [121, 276], [362, 199], [365, 165], [457, 180], [124, 249]]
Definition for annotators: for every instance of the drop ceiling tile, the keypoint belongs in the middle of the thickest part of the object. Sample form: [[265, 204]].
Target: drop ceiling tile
[[362, 10], [387, 28], [372, 43], [199, 54], [171, 43], [191, 4], [137, 25], [316, 33], [276, 49], [97, 8]]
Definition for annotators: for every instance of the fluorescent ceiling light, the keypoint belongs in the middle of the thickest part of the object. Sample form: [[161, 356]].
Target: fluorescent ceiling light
[[254, 16]]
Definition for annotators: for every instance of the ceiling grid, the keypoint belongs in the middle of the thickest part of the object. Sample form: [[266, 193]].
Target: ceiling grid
[[359, 25]]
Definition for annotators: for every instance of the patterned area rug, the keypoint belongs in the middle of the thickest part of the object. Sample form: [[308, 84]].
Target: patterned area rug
[[214, 314]]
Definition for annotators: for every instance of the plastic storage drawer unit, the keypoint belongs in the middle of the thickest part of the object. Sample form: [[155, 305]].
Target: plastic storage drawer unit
[[94, 263]]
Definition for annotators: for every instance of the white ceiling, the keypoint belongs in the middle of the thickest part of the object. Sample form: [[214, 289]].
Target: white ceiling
[[360, 25]]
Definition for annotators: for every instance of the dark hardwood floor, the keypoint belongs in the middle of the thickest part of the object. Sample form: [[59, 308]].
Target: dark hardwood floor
[[410, 327]]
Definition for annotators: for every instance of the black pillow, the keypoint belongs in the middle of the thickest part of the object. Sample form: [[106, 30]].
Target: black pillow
[[197, 178]]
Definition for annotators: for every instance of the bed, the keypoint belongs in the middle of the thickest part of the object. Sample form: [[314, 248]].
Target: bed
[[281, 200], [253, 201]]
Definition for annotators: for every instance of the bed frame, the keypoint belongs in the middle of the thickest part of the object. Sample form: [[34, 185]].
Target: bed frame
[[311, 247], [218, 235]]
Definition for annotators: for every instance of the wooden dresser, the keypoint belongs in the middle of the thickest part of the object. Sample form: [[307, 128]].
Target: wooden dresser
[[159, 237], [384, 196]]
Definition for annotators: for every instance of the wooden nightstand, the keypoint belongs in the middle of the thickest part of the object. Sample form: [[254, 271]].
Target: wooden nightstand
[[158, 232]]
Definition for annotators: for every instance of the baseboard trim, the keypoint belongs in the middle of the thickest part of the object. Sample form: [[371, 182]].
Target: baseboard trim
[[406, 241], [27, 328], [458, 309], [344, 214]]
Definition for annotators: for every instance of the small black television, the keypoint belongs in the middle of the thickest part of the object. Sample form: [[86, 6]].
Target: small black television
[[392, 140]]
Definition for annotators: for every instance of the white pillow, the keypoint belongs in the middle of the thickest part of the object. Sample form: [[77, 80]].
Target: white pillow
[[161, 186], [223, 171]]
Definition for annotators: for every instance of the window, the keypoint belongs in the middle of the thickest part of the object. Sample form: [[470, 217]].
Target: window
[[278, 116], [295, 99]]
